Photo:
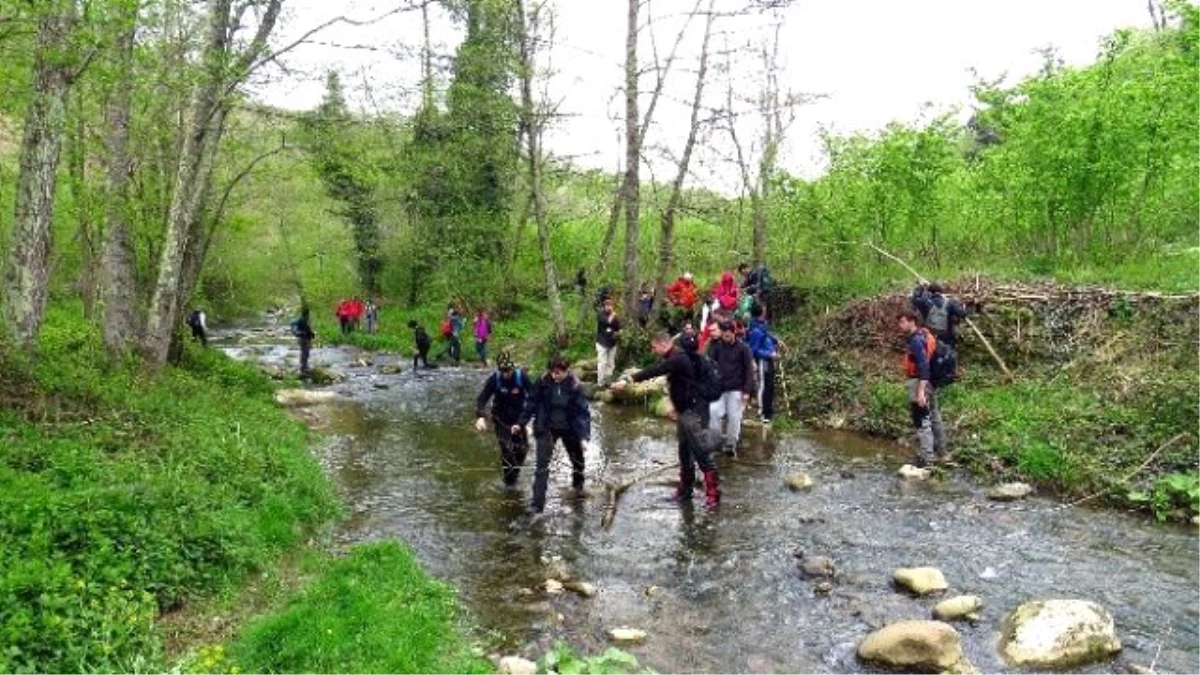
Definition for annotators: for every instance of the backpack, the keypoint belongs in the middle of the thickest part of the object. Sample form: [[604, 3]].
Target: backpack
[[447, 328], [943, 365], [707, 382], [295, 327], [938, 317], [518, 378], [193, 319], [765, 282]]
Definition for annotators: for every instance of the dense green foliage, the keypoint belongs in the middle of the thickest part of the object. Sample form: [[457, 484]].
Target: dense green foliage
[[564, 660], [373, 611], [124, 496]]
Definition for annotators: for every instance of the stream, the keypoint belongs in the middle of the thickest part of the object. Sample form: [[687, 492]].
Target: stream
[[721, 592]]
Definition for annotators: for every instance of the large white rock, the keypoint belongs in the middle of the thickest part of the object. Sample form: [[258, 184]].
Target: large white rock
[[515, 665], [925, 646], [920, 580], [910, 472], [581, 588], [1057, 634], [627, 635], [799, 481], [1009, 492], [303, 397]]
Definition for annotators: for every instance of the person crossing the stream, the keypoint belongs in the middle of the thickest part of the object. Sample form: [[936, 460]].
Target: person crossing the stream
[[560, 412], [508, 390], [422, 342], [919, 347], [736, 364], [302, 329], [690, 410]]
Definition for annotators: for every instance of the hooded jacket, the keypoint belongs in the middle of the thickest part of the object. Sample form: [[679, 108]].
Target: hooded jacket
[[726, 292], [537, 406]]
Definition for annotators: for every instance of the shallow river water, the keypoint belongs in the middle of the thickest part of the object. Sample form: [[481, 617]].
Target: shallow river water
[[721, 592]]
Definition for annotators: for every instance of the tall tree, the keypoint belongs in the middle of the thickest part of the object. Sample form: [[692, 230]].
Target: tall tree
[[26, 277], [118, 288], [533, 123], [630, 190], [222, 70]]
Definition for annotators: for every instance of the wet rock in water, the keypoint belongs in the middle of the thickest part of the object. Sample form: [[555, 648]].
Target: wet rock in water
[[553, 586], [390, 369], [1136, 669], [960, 607], [652, 591], [321, 376], [846, 475], [920, 580], [581, 588], [989, 573], [303, 397], [627, 635], [557, 569], [276, 372], [910, 472], [525, 592], [808, 518], [817, 566], [1009, 492], [799, 481], [381, 385], [1058, 634], [823, 588], [926, 646], [515, 665]]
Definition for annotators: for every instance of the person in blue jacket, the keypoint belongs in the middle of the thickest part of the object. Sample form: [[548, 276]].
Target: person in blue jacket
[[765, 348], [560, 412], [508, 390]]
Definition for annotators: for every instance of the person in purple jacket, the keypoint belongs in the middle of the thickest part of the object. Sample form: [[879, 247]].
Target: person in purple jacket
[[483, 332]]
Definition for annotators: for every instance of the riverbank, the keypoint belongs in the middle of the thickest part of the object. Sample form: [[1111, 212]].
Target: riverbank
[[128, 497], [1103, 405]]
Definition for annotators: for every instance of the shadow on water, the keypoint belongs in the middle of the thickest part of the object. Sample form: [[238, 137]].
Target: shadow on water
[[720, 592]]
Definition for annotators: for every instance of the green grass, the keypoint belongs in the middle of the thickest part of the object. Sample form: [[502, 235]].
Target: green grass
[[373, 611], [124, 495]]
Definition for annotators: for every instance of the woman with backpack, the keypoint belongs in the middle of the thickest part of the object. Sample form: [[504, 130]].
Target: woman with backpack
[[483, 332]]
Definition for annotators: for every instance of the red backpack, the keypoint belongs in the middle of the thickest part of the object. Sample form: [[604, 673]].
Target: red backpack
[[447, 328]]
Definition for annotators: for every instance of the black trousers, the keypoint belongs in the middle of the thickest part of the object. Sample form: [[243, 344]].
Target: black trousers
[[545, 450], [513, 449], [766, 388], [305, 348], [422, 356], [690, 429], [198, 334]]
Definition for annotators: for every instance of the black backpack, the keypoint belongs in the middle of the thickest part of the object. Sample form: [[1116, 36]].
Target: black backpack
[[706, 384], [943, 365]]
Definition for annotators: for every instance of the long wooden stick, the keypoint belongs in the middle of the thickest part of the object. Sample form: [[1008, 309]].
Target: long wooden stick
[[615, 490], [967, 319], [1135, 472]]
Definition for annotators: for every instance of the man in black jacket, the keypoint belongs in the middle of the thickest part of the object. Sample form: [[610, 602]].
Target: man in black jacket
[[691, 416], [302, 329], [508, 389], [560, 412], [736, 364]]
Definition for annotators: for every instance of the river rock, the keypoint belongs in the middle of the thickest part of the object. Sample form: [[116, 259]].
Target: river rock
[[627, 635], [557, 569], [817, 566], [302, 397], [960, 607], [581, 588], [515, 665], [920, 580], [910, 472], [926, 646], [799, 481], [321, 376], [553, 586], [390, 369], [823, 588], [1058, 634], [1009, 492]]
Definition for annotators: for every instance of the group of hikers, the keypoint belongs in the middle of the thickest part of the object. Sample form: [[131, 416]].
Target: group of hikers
[[351, 311], [717, 353]]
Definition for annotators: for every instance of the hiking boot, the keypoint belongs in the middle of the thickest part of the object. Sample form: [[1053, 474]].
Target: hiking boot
[[712, 491]]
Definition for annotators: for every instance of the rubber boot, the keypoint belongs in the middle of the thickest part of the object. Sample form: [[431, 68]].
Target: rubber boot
[[683, 493], [712, 491]]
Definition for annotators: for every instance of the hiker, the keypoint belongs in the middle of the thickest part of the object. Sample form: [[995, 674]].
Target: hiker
[[302, 329], [605, 293], [726, 292], [687, 339], [452, 326], [371, 314], [356, 312], [756, 282], [560, 412], [682, 296], [645, 307], [939, 313], [736, 365], [764, 347], [344, 313], [711, 330], [423, 343], [581, 282], [608, 329], [483, 332], [919, 347], [198, 322], [708, 305], [508, 390], [690, 414]]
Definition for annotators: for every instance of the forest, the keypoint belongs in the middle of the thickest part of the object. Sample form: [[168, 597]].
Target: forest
[[140, 177]]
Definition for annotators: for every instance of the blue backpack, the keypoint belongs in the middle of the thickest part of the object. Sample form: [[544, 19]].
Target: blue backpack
[[518, 377]]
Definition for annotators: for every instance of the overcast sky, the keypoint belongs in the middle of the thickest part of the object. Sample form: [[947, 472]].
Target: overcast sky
[[873, 61]]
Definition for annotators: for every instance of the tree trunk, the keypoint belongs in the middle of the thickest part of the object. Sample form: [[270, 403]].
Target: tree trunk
[[667, 246], [118, 285], [26, 279], [86, 234], [633, 145], [532, 125]]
